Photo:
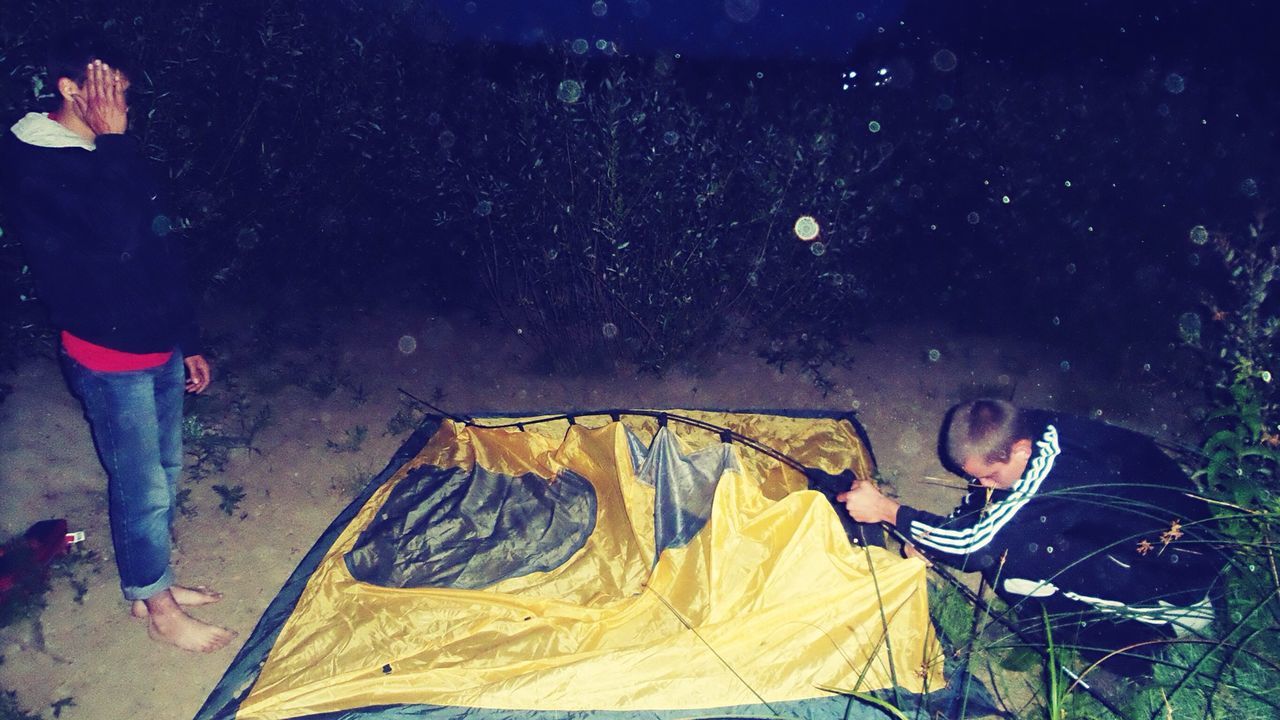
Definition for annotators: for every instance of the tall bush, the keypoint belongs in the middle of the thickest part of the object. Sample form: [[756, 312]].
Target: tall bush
[[616, 218]]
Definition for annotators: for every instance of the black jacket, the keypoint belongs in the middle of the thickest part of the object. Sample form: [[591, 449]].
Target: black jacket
[[97, 244], [1099, 513]]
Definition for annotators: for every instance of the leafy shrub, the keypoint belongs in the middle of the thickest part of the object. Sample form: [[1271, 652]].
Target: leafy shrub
[[615, 218], [1238, 335]]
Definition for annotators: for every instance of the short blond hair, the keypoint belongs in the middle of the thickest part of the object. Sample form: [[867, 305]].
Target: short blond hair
[[985, 429]]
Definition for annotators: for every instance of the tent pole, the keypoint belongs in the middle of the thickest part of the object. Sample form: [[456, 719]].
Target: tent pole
[[985, 607]]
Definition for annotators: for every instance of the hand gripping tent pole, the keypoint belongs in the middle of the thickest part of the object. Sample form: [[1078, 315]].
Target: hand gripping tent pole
[[729, 435]]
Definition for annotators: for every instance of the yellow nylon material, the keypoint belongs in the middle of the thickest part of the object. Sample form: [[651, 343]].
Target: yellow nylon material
[[767, 602]]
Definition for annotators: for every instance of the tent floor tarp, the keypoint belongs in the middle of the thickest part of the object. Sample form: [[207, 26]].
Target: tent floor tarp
[[619, 564]]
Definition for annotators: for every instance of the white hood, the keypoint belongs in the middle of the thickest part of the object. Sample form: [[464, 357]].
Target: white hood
[[37, 129]]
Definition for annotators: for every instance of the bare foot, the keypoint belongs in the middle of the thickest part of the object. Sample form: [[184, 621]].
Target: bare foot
[[167, 622], [185, 596]]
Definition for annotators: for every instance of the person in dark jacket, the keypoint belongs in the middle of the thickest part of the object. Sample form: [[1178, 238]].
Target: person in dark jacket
[[81, 197], [1091, 523]]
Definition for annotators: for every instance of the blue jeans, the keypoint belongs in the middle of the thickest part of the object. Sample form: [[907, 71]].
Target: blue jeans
[[136, 420]]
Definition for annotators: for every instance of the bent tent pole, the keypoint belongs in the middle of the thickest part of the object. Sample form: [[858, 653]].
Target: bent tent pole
[[985, 608], [726, 435]]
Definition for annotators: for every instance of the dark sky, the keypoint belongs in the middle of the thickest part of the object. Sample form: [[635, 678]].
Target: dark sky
[[694, 27], [1037, 31]]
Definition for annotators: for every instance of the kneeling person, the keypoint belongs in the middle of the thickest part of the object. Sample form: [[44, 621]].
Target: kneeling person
[[1089, 522]]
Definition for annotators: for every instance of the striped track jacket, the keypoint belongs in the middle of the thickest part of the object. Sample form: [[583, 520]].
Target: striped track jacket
[[1101, 515]]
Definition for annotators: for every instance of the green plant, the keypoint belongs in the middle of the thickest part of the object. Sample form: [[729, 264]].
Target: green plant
[[352, 439], [229, 498], [209, 445], [1242, 449], [407, 417], [11, 709], [185, 506], [616, 219], [74, 567], [356, 479], [62, 704]]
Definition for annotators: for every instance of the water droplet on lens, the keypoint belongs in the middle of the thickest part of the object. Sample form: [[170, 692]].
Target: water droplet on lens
[[599, 8], [873, 126], [741, 10], [580, 46], [944, 60], [570, 91], [160, 225], [806, 227], [1189, 327]]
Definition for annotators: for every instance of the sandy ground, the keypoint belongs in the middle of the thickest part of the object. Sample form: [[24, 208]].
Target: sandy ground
[[92, 661]]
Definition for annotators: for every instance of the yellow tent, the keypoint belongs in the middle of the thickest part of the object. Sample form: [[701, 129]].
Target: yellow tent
[[639, 565]]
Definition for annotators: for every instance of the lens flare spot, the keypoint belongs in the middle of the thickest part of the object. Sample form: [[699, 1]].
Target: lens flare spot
[[1189, 327], [944, 60], [569, 92], [807, 228], [742, 11]]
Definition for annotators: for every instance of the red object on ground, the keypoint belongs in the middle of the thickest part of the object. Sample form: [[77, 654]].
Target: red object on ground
[[48, 540], [45, 541]]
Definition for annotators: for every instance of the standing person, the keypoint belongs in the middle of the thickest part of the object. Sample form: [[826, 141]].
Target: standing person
[[1086, 521], [83, 200]]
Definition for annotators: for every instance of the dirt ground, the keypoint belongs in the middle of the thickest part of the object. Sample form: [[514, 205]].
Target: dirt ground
[[88, 659]]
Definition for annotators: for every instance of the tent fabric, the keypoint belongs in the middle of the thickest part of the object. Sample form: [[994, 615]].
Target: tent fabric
[[592, 568]]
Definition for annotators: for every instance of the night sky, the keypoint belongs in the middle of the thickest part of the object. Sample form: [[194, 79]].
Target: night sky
[[835, 30]]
